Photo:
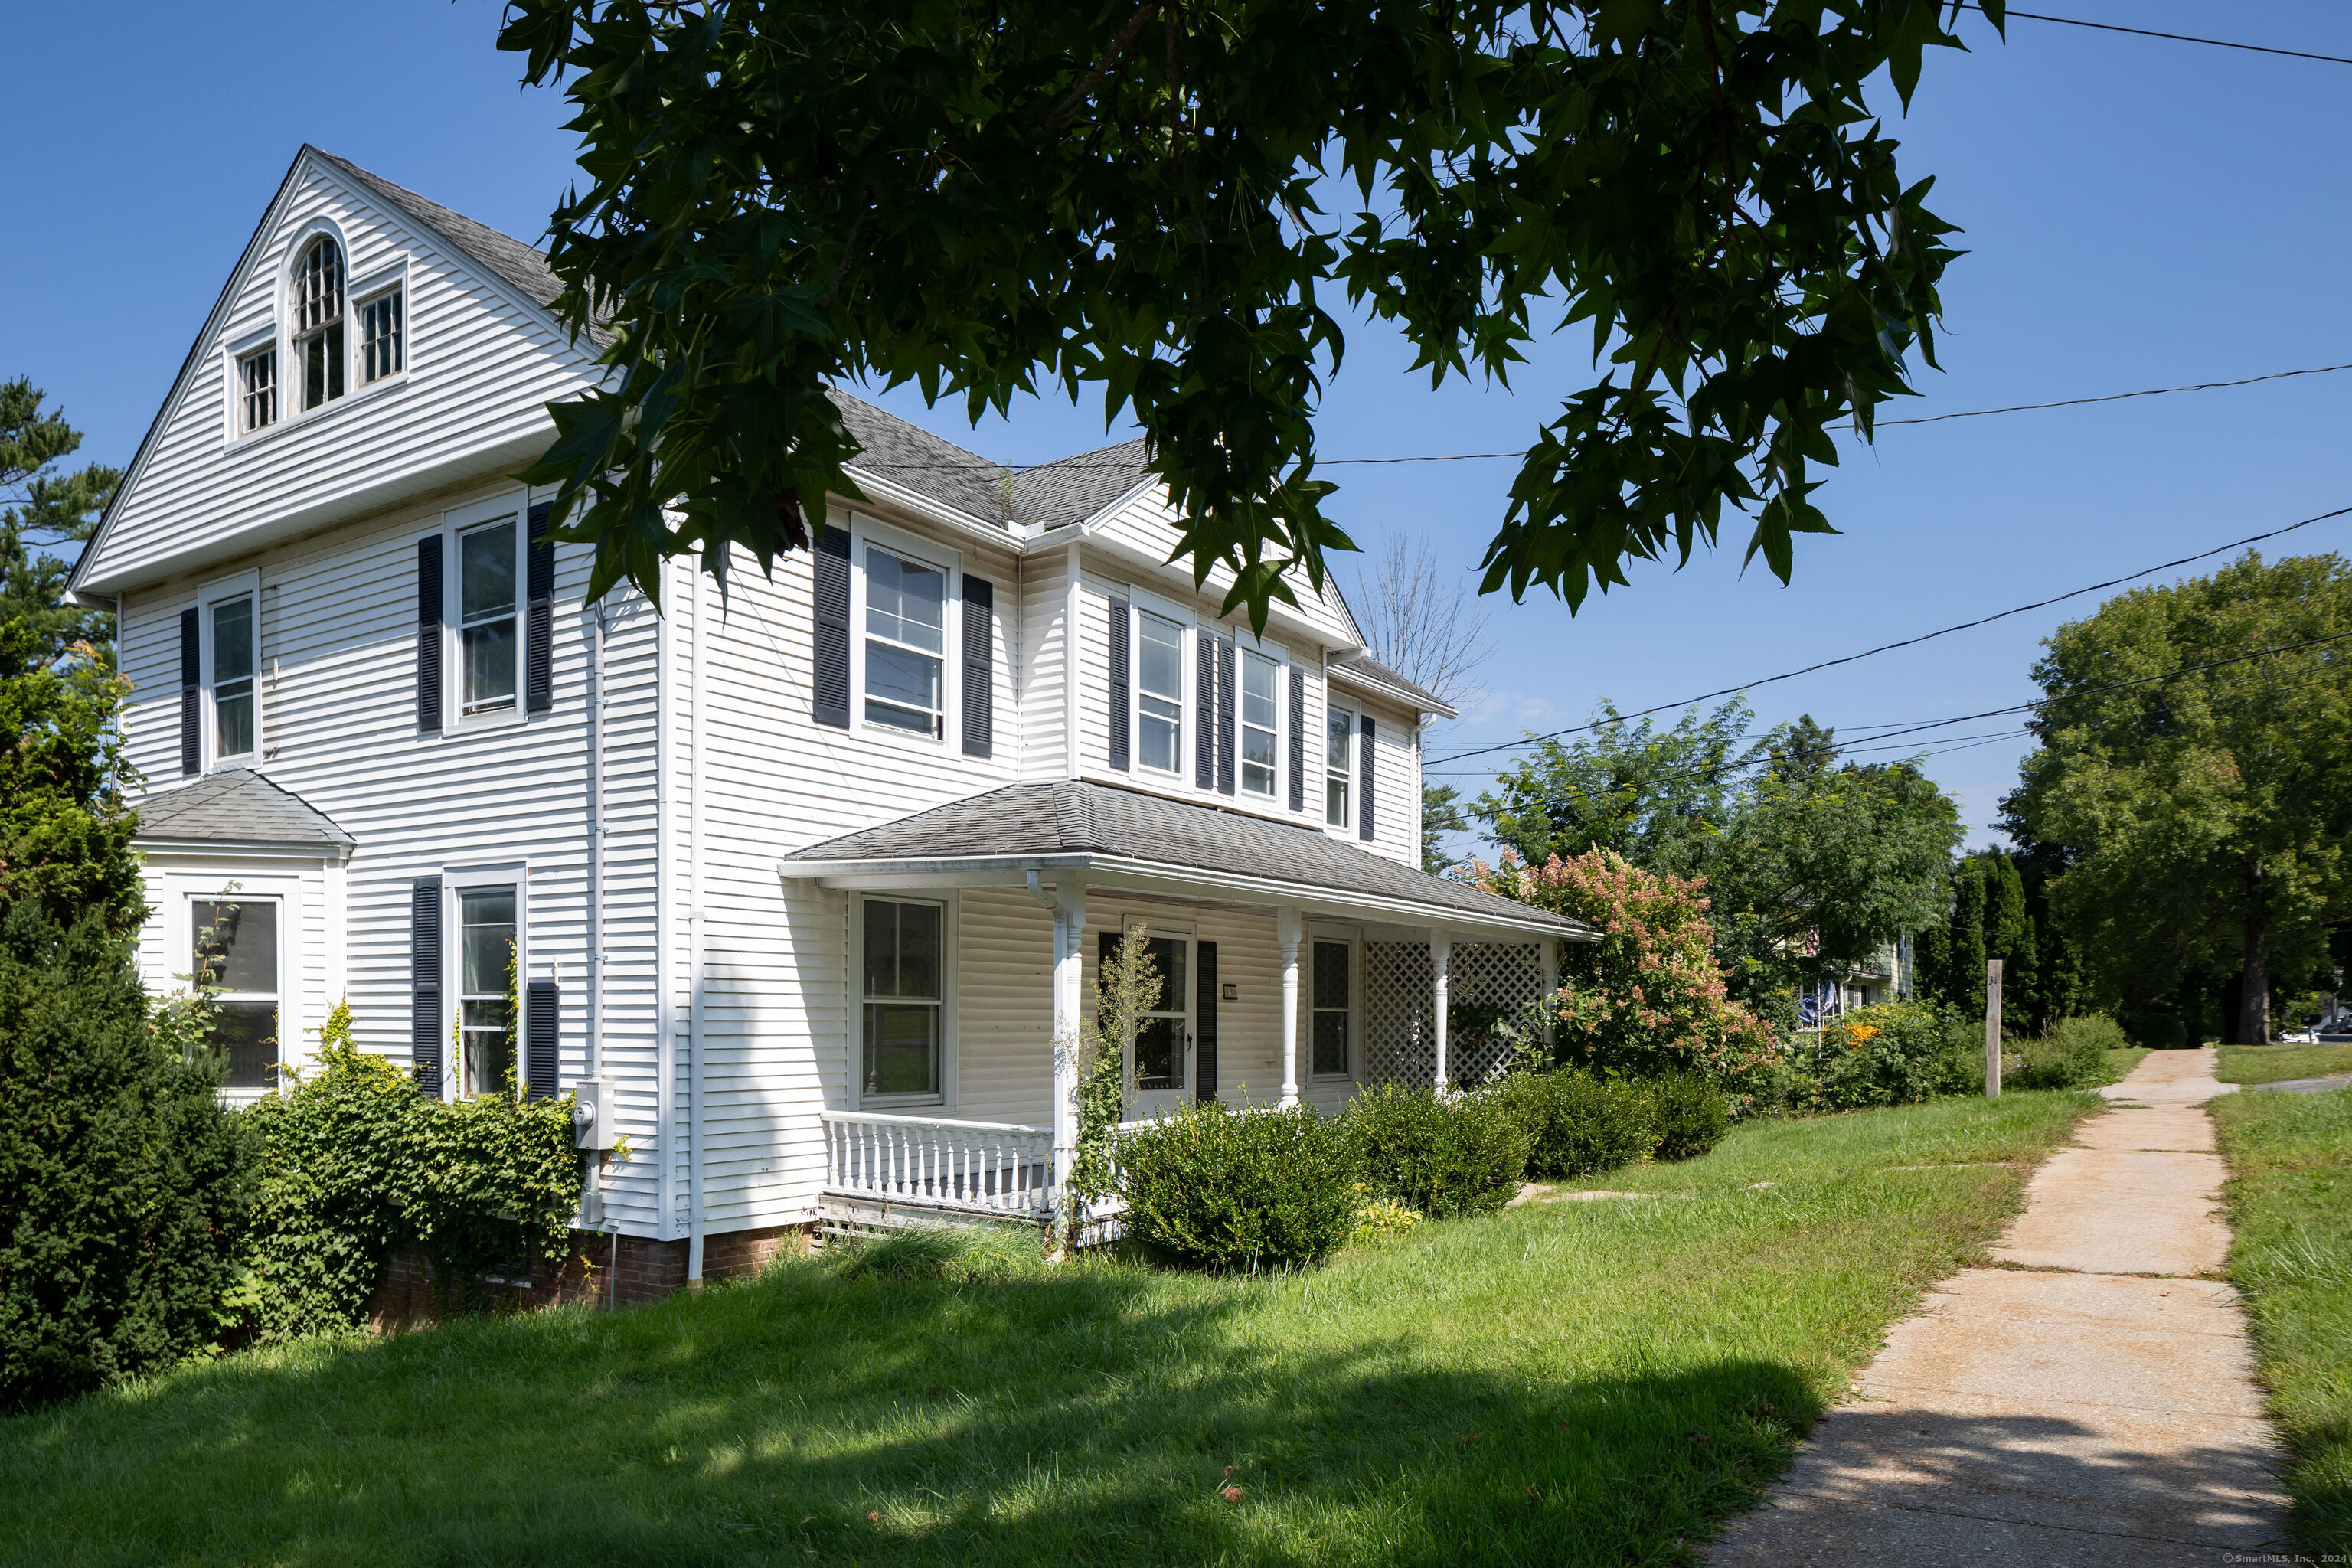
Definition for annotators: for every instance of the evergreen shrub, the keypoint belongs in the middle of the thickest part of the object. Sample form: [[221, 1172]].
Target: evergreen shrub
[[1691, 1115], [1577, 1123], [1240, 1189], [1442, 1157], [123, 1183]]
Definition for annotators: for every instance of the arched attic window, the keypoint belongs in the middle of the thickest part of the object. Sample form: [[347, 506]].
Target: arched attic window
[[318, 320]]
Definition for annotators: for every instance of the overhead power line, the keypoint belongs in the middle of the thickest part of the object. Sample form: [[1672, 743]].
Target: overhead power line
[[1889, 648], [1070, 464], [2175, 37]]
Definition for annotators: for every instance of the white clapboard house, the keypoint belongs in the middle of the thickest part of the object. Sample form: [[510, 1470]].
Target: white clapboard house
[[802, 887]]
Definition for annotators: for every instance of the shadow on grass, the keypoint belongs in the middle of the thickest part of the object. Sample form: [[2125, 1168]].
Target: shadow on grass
[[1096, 1414]]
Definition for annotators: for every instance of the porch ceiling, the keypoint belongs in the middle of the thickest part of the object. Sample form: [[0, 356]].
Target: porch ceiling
[[1127, 839]]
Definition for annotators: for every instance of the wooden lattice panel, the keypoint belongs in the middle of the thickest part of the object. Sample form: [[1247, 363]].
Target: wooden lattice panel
[[1399, 1045]]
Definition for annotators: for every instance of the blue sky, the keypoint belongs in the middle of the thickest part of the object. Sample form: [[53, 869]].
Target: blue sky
[[2138, 213]]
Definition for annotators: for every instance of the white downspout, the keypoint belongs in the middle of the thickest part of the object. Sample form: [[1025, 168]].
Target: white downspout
[[696, 838], [592, 937]]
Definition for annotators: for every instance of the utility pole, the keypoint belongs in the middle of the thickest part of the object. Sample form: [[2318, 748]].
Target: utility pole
[[1992, 1028]]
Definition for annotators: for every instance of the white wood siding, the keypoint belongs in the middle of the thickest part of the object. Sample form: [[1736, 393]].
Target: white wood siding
[[774, 963], [481, 364], [338, 718]]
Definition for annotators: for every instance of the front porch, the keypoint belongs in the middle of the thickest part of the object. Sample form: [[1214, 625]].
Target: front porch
[[1297, 969]]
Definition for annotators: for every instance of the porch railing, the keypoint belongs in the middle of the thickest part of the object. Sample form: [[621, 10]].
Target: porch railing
[[996, 1166]]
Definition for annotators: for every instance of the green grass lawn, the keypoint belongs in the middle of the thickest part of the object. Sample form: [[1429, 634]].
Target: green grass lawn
[[2291, 1200], [2276, 1064], [1567, 1382]]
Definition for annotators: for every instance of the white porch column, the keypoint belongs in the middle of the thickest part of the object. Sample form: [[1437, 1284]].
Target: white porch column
[[1289, 925], [1441, 959], [1550, 981], [1069, 907]]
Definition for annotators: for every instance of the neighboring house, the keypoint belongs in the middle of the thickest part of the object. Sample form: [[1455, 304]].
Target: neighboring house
[[800, 885]]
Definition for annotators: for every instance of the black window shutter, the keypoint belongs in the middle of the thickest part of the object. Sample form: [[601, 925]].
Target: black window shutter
[[1204, 1021], [1205, 711], [428, 632], [830, 692], [542, 1013], [1120, 701], [1299, 740], [426, 1025], [192, 702], [538, 617], [1224, 715], [979, 666], [1364, 774]]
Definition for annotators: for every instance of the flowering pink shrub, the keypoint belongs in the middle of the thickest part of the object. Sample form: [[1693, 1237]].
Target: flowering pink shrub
[[1648, 997]]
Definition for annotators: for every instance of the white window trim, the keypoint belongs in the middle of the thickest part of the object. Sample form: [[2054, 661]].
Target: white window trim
[[1353, 773], [208, 721], [1189, 935], [1139, 601], [181, 892], [393, 273], [474, 879], [455, 521], [863, 531], [1351, 938], [950, 945], [1244, 643]]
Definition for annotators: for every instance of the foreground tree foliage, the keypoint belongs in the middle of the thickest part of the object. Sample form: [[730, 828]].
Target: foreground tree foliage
[[2194, 778], [43, 506], [988, 199]]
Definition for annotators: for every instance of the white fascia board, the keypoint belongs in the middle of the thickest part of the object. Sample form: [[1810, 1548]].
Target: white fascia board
[[226, 849], [1277, 617], [1339, 675], [1144, 876]]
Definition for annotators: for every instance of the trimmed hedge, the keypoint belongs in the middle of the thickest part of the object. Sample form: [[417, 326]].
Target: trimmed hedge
[[1229, 1189], [1440, 1156], [1577, 1123], [1691, 1114]]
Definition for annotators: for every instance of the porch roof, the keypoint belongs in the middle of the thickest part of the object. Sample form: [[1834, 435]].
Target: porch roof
[[1129, 838]]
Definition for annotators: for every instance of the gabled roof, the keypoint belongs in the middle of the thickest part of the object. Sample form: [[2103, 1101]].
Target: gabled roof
[[236, 805], [1070, 822]]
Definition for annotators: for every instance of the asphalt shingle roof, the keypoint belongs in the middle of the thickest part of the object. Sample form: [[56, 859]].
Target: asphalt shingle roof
[[1365, 665], [236, 805], [1074, 819]]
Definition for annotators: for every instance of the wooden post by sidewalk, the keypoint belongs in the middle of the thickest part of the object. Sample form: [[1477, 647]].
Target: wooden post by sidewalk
[[1992, 1028]]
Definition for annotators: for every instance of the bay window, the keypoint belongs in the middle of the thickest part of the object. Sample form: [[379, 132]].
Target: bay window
[[235, 959]]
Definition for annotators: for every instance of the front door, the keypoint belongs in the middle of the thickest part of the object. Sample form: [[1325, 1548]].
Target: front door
[[1159, 1061]]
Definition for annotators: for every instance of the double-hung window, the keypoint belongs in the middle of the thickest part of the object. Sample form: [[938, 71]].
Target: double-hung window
[[256, 385], [486, 625], [905, 639], [486, 982], [236, 960], [1160, 691], [318, 320], [382, 339], [1260, 676], [232, 677], [1334, 999], [902, 1001], [1339, 751]]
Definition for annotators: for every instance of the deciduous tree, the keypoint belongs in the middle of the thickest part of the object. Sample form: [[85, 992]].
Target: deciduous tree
[[1158, 201], [2194, 777]]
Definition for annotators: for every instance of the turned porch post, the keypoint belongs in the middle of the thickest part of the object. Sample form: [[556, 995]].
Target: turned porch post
[[1289, 925], [1441, 959]]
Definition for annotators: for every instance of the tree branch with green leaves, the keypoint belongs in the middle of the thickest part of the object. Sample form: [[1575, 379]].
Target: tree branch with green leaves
[[1145, 204]]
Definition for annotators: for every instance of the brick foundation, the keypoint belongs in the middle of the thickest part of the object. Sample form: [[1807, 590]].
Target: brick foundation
[[646, 1270]]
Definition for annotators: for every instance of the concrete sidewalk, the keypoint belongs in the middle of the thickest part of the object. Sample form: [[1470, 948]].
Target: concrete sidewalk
[[2091, 1404]]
